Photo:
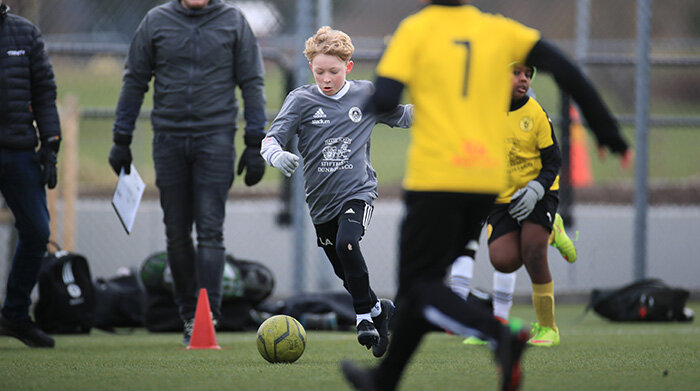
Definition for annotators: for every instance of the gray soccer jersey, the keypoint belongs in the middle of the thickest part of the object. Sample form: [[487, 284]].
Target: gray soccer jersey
[[334, 142]]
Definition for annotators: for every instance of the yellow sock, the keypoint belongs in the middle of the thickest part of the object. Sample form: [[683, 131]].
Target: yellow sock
[[551, 237], [543, 301]]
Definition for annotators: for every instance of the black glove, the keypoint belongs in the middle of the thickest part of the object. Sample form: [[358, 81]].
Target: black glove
[[120, 156], [255, 164], [47, 159]]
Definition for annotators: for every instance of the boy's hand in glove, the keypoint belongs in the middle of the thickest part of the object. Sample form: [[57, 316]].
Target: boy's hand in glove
[[286, 162], [523, 201]]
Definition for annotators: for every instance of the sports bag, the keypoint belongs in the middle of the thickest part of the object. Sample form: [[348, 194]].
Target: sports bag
[[66, 295], [245, 284], [644, 300], [119, 302]]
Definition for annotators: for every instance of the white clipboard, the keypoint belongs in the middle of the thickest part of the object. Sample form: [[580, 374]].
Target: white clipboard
[[127, 197]]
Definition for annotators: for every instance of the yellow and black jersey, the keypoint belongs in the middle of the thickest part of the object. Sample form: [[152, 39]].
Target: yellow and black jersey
[[454, 62], [528, 130]]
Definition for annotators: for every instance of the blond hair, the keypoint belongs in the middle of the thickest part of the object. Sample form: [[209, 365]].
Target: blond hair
[[331, 42]]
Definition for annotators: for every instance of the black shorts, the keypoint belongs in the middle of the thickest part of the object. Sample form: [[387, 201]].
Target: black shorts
[[500, 222], [435, 229], [356, 211]]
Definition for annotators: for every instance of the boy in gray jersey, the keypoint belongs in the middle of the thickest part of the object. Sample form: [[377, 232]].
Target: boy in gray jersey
[[334, 140]]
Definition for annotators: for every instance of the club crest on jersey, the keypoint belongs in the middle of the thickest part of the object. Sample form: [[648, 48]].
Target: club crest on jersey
[[355, 114], [526, 124]]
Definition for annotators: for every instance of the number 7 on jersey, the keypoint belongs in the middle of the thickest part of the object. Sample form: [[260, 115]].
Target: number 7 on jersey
[[466, 65]]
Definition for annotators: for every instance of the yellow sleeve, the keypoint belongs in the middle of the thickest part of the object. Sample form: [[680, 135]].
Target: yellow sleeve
[[522, 38], [399, 59]]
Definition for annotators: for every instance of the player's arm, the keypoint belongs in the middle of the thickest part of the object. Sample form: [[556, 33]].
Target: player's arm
[[524, 200], [400, 117], [281, 131], [550, 157], [386, 96], [548, 58]]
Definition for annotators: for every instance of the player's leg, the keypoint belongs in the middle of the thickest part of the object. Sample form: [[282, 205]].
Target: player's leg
[[503, 289], [436, 227], [462, 270], [534, 239], [352, 223], [173, 179]]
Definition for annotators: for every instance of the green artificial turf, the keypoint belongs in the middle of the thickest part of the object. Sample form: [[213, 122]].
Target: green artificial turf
[[594, 355]]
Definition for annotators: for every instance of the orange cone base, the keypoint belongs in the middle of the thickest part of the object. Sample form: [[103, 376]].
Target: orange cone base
[[203, 334]]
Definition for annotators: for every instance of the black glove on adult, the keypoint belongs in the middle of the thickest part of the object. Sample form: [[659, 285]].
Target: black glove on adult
[[120, 156], [253, 162], [47, 159]]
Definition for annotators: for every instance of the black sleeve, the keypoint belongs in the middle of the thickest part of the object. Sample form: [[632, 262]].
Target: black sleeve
[[43, 89], [551, 163], [548, 58], [386, 96]]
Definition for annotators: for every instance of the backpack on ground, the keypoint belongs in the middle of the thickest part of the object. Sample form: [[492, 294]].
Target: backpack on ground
[[644, 300], [66, 295]]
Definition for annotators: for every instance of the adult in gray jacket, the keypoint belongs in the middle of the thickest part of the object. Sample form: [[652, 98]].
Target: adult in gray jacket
[[198, 51]]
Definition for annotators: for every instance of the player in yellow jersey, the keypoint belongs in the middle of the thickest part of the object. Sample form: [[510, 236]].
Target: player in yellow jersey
[[450, 55], [520, 223]]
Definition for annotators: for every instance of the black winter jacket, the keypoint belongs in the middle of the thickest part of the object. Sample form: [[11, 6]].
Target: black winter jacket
[[27, 86]]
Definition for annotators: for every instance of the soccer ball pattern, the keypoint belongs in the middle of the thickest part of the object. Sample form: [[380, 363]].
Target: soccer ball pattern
[[281, 339]]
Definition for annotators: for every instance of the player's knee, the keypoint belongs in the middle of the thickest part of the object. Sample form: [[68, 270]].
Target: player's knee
[[347, 245], [534, 253], [506, 264]]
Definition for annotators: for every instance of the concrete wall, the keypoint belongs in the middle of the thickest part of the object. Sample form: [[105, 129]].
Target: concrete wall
[[605, 246]]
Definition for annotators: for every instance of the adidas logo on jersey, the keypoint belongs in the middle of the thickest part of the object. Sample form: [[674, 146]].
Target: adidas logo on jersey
[[320, 118]]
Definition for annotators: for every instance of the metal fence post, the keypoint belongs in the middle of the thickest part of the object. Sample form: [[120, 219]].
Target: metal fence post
[[304, 11], [325, 13], [641, 123]]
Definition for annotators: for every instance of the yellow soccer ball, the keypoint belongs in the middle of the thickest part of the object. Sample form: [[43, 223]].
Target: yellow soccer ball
[[281, 338]]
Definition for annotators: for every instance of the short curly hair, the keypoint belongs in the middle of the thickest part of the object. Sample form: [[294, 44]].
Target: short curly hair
[[331, 42]]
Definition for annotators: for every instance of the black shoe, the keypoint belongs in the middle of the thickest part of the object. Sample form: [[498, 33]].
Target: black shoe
[[360, 379], [367, 334], [26, 331], [381, 322], [508, 353], [187, 333]]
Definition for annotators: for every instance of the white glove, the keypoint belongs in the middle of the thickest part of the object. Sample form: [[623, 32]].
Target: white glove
[[523, 201], [286, 162]]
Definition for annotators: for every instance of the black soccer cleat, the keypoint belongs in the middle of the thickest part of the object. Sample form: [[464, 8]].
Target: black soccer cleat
[[26, 331], [509, 352], [367, 334], [381, 323], [361, 379]]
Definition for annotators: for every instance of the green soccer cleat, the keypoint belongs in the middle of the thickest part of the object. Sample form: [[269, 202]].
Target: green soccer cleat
[[474, 341], [543, 336], [561, 240]]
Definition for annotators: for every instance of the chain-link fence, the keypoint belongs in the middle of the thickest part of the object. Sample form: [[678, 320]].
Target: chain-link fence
[[88, 39]]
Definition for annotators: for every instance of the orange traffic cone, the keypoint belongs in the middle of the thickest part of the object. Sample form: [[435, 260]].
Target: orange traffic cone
[[580, 168], [203, 334]]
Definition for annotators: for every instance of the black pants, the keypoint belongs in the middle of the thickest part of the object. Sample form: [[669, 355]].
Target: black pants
[[434, 231], [340, 240], [194, 175]]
